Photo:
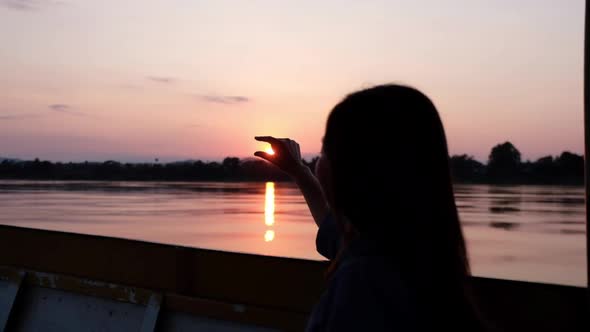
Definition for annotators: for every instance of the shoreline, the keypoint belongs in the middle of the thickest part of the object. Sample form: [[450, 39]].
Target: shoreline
[[500, 184]]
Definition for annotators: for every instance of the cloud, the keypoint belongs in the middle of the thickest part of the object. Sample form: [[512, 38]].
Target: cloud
[[19, 116], [161, 79], [27, 5], [59, 107], [66, 109], [225, 99]]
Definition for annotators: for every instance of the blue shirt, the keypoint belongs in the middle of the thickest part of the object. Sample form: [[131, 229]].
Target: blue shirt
[[365, 293]]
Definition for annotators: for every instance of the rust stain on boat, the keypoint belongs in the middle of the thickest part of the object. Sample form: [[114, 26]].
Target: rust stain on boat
[[84, 286]]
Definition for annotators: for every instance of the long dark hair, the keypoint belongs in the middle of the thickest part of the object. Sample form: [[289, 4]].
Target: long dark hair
[[390, 178]]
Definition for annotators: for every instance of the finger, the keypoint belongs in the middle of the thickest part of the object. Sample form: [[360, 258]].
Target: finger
[[263, 155], [292, 147], [268, 139], [295, 150]]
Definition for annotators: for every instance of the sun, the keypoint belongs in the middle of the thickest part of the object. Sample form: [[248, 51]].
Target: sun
[[269, 150]]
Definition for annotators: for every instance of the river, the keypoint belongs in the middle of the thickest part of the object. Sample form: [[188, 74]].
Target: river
[[532, 233]]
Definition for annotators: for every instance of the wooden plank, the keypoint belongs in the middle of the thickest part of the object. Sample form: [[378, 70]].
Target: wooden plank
[[80, 285], [273, 284], [152, 311], [156, 303], [283, 320], [228, 277], [89, 287], [53, 309], [14, 280]]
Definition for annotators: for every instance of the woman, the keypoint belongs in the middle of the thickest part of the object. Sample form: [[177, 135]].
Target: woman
[[383, 200]]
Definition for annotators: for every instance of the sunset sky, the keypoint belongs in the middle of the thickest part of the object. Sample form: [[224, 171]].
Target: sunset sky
[[187, 79]]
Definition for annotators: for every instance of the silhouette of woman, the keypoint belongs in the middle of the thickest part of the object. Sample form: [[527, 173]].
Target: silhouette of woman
[[383, 200]]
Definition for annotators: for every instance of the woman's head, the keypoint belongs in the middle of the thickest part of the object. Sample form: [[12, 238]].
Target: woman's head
[[385, 172], [385, 169]]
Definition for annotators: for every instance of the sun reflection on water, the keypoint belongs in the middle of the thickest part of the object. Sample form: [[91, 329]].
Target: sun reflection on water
[[269, 211], [269, 204], [269, 235]]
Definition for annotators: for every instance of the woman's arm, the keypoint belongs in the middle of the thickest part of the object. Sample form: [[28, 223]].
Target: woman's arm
[[314, 196], [287, 156]]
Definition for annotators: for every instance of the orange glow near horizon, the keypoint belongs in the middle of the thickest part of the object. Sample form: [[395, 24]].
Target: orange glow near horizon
[[269, 204]]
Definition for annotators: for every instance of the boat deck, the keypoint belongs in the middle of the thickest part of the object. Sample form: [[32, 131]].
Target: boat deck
[[55, 281]]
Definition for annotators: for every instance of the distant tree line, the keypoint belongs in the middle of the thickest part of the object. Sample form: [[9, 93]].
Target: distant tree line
[[504, 165], [230, 169]]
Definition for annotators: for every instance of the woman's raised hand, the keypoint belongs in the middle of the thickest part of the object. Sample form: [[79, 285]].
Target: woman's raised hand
[[287, 155]]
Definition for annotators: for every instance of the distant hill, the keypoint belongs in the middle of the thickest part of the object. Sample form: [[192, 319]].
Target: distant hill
[[8, 159]]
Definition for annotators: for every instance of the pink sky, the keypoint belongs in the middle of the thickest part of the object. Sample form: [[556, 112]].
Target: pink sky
[[136, 80]]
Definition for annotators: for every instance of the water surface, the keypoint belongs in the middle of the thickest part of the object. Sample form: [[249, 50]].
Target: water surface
[[534, 233]]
